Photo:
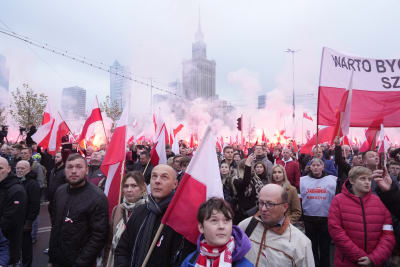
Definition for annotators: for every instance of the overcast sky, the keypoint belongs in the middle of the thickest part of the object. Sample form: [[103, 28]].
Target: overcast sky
[[153, 37]]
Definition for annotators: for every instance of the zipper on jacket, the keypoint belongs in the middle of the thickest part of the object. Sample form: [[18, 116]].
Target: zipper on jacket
[[365, 225]]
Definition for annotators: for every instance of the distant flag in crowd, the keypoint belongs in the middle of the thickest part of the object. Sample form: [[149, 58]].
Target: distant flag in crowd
[[42, 135], [158, 153], [197, 185], [178, 129], [306, 116], [370, 141], [114, 160], [263, 138], [58, 130], [324, 135], [343, 112], [95, 116], [384, 144]]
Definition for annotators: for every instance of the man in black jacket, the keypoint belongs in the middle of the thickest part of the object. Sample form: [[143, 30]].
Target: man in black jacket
[[28, 179], [12, 210], [56, 179], [80, 211], [171, 248], [143, 165]]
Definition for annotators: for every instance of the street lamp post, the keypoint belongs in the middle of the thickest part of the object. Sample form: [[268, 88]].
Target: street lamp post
[[293, 51]]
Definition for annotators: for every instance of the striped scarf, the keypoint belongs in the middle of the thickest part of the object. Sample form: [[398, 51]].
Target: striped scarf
[[215, 256]]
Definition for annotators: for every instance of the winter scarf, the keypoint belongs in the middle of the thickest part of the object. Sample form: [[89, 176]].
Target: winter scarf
[[255, 184], [215, 256], [144, 235]]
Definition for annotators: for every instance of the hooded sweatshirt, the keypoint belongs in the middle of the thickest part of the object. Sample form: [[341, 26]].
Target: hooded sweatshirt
[[242, 246]]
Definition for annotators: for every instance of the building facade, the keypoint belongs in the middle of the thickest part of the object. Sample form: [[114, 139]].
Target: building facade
[[73, 102], [4, 81], [198, 75], [119, 86]]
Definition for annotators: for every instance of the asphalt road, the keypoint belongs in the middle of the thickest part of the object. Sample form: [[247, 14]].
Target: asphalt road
[[39, 258]]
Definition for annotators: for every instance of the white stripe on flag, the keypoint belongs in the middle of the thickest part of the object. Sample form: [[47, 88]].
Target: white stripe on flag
[[111, 172]]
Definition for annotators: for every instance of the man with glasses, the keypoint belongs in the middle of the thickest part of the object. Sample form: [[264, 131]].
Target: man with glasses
[[275, 241]]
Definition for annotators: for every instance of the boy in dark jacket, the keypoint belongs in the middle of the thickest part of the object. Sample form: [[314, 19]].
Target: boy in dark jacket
[[220, 243]]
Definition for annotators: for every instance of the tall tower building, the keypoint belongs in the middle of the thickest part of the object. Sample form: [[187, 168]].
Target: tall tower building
[[4, 81], [198, 75], [119, 86], [73, 102]]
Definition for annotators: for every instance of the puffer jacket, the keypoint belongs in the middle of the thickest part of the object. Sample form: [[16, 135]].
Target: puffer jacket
[[360, 227]]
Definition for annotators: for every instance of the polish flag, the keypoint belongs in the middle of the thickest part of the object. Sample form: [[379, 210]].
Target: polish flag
[[344, 111], [114, 160], [42, 135], [306, 116], [370, 142], [324, 135], [219, 146], [58, 130], [191, 141], [46, 114], [178, 129], [158, 153], [376, 88], [175, 145], [95, 116], [384, 144], [263, 138], [197, 185]]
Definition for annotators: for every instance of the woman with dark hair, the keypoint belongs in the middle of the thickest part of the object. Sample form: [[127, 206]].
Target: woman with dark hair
[[134, 193]]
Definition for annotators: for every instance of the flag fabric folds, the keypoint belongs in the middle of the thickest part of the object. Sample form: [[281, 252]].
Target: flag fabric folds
[[114, 160], [200, 182], [95, 116]]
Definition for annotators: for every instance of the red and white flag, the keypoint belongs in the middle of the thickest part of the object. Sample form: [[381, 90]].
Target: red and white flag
[[376, 88], [326, 134], [114, 160], [344, 111], [58, 130], [42, 135], [306, 116], [95, 116], [197, 185], [158, 153], [384, 144]]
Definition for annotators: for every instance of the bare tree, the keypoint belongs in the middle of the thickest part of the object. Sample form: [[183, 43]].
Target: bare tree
[[27, 106], [112, 109]]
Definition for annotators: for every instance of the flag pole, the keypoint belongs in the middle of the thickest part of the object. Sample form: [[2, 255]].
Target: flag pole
[[153, 244], [120, 183], [102, 122], [147, 165]]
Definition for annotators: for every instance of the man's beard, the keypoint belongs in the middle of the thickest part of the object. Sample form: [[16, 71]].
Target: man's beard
[[79, 182]]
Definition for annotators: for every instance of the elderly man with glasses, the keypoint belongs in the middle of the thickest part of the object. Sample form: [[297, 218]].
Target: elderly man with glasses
[[275, 241]]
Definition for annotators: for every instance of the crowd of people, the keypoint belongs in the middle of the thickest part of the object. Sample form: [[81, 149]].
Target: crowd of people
[[279, 208]]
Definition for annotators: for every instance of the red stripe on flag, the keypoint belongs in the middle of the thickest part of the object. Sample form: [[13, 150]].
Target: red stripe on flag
[[182, 211], [370, 106]]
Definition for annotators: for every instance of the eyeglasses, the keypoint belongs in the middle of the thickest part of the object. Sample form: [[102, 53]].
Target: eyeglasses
[[268, 205]]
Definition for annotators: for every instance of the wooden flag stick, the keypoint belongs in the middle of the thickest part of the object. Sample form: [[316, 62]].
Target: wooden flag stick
[[153, 244], [147, 165], [120, 183]]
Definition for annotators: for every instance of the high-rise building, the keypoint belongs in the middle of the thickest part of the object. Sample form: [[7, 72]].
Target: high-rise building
[[198, 75], [73, 102], [262, 99], [119, 86], [4, 81]]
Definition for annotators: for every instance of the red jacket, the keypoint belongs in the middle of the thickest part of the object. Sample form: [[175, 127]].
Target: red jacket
[[292, 170], [360, 227]]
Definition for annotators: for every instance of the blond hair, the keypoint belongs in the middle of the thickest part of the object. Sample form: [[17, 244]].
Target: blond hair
[[285, 182], [357, 171]]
